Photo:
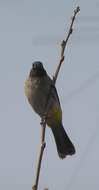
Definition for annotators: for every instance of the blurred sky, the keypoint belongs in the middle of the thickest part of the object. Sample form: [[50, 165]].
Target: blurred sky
[[33, 30]]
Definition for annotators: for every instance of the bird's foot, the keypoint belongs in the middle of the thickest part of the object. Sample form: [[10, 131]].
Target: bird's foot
[[43, 119]]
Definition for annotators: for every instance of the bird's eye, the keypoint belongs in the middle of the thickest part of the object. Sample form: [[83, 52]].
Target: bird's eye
[[39, 65], [34, 66]]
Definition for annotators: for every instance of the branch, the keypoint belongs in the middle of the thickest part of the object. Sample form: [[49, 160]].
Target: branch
[[44, 118], [64, 43]]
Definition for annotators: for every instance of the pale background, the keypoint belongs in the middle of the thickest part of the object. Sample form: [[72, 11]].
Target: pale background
[[32, 30]]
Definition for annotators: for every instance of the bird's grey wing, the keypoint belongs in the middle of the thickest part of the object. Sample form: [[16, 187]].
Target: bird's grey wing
[[55, 94]]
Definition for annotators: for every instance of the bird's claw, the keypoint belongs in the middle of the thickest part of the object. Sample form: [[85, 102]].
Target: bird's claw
[[43, 119]]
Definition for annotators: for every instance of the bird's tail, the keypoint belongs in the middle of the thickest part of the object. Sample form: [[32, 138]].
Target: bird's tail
[[63, 143]]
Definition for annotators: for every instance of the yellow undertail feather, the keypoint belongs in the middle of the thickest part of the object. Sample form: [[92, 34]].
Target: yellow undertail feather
[[54, 117]]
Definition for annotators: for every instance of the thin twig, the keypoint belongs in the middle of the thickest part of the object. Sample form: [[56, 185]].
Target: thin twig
[[64, 43], [44, 118]]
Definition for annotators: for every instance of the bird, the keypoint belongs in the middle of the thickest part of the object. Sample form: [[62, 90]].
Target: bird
[[40, 91]]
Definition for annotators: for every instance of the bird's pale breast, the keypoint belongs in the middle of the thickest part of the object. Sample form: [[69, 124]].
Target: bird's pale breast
[[37, 91]]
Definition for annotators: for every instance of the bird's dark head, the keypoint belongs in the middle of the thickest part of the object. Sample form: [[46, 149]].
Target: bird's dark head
[[37, 69]]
